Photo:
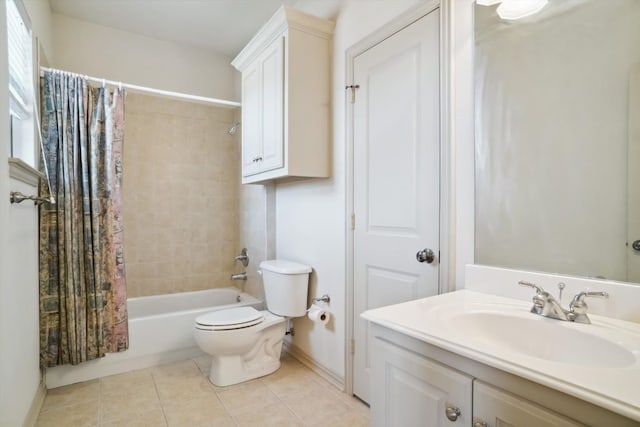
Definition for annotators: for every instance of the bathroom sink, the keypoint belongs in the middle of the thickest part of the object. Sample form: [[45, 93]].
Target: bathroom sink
[[535, 336], [597, 362]]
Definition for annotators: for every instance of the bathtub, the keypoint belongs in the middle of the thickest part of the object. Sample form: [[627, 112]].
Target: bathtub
[[160, 331]]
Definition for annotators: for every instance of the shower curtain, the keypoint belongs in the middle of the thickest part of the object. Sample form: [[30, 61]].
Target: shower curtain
[[83, 307]]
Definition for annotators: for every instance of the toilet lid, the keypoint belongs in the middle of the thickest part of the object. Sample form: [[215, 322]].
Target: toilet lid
[[232, 318]]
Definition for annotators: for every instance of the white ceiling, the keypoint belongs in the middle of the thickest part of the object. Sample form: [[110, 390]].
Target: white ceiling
[[221, 26]]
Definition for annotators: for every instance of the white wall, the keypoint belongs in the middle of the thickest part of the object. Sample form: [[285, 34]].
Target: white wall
[[462, 138], [311, 220], [19, 328], [103, 52], [41, 26]]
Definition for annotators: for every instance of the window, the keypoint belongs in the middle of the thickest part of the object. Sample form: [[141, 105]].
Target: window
[[21, 91]]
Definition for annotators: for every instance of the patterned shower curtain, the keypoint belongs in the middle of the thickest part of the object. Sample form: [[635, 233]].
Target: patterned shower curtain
[[83, 306]]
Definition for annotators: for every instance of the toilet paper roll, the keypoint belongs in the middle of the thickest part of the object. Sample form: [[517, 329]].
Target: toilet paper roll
[[318, 315]]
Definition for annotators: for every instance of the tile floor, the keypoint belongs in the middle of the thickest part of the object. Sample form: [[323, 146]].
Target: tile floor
[[180, 394]]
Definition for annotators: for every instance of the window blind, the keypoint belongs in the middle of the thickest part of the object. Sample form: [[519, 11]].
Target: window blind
[[20, 59]]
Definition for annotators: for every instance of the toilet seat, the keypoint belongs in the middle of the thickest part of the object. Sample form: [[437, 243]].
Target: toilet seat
[[229, 319]]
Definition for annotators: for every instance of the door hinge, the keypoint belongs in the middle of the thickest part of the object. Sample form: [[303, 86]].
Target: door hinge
[[353, 346], [353, 92], [353, 221]]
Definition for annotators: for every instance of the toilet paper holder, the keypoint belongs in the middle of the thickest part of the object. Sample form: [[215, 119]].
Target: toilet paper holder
[[324, 298]]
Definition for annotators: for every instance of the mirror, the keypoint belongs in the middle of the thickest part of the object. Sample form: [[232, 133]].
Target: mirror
[[557, 127]]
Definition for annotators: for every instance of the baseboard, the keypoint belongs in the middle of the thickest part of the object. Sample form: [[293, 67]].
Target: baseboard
[[36, 405], [307, 361]]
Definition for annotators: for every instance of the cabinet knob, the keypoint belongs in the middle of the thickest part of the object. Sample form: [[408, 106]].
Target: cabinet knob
[[479, 423], [452, 412]]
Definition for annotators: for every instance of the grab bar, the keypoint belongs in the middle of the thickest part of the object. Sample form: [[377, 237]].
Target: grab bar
[[18, 197]]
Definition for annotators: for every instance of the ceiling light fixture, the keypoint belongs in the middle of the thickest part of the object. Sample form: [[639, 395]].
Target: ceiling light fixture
[[517, 9]]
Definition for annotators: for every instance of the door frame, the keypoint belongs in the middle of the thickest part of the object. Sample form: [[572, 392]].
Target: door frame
[[447, 259]]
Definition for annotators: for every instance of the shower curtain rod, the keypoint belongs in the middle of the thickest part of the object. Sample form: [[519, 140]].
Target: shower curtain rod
[[159, 92]]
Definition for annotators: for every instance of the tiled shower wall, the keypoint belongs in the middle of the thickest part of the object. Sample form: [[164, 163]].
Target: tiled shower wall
[[181, 184]]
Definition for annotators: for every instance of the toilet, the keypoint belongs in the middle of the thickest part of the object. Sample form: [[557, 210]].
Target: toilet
[[245, 343]]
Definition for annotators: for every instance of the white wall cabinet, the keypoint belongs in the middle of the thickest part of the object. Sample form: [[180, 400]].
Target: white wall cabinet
[[262, 112], [418, 384], [286, 99]]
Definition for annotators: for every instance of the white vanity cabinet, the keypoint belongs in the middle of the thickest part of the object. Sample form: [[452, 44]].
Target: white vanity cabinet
[[415, 383], [412, 390], [286, 99], [494, 407]]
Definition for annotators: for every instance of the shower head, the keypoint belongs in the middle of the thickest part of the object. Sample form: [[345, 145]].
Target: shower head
[[233, 129]]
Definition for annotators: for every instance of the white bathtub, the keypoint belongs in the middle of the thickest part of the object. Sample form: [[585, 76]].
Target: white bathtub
[[160, 331]]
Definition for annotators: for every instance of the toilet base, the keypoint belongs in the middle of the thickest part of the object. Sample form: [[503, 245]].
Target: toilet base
[[262, 360]]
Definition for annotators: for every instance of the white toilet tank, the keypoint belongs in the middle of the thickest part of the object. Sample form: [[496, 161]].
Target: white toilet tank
[[286, 284]]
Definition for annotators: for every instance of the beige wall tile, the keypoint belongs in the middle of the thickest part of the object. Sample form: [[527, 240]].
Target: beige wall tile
[[180, 191]]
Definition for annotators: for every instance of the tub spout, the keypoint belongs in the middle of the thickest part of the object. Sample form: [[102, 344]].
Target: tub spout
[[239, 276]]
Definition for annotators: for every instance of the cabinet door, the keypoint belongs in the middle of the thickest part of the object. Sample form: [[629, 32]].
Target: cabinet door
[[251, 120], [272, 70], [498, 408], [408, 389]]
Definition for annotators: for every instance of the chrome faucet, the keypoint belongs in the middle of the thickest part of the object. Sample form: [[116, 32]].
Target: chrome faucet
[[243, 257], [239, 276], [578, 308], [546, 305]]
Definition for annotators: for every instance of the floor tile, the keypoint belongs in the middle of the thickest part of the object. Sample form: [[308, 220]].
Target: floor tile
[[313, 408], [153, 418], [129, 382], [180, 395], [202, 412], [275, 415], [175, 371], [124, 406], [72, 394], [79, 415], [247, 398], [344, 420], [186, 389], [204, 364]]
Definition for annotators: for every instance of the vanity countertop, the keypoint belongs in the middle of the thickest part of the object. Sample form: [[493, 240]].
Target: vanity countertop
[[597, 362]]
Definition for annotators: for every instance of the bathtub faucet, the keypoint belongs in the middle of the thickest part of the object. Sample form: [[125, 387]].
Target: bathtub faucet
[[243, 257], [239, 276]]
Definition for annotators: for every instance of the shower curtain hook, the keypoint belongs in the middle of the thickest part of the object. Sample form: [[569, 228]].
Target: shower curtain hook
[[119, 85], [104, 83]]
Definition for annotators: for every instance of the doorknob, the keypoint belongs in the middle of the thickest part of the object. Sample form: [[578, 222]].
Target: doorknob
[[636, 245], [426, 255]]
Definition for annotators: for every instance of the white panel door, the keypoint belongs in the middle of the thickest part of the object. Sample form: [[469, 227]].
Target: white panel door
[[272, 156], [501, 409], [396, 176], [411, 390]]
